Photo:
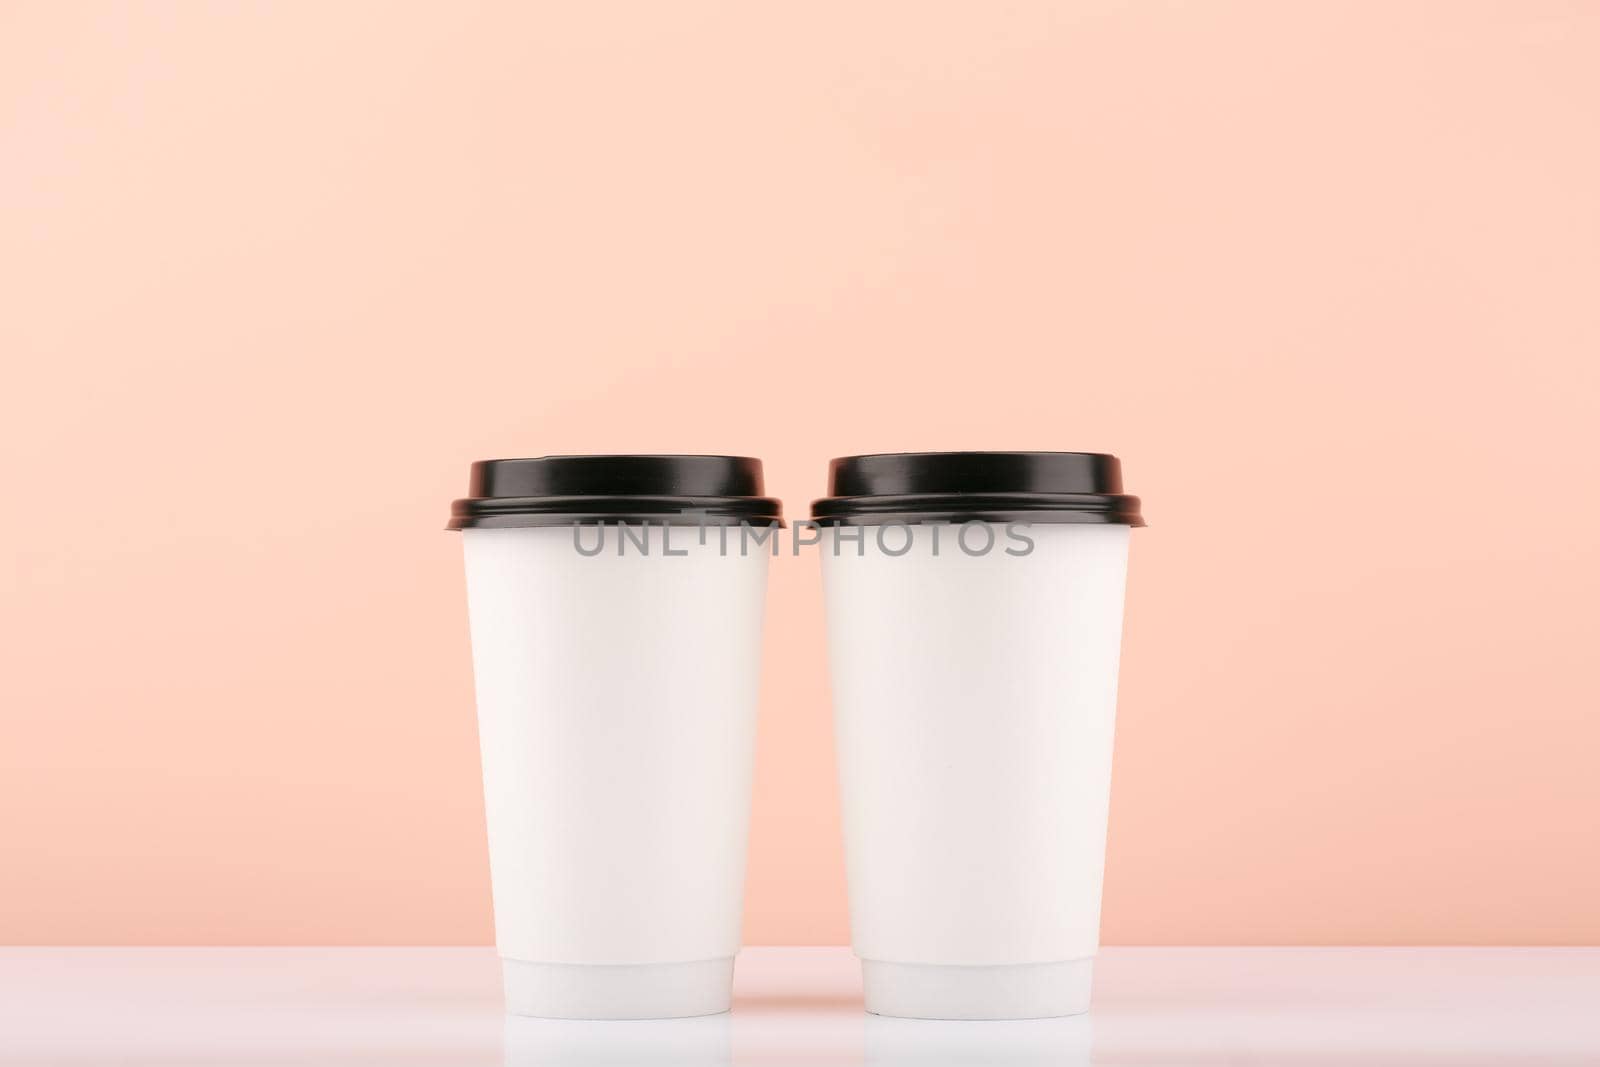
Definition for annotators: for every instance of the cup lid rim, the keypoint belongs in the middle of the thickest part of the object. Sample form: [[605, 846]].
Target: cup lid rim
[[656, 488], [987, 486]]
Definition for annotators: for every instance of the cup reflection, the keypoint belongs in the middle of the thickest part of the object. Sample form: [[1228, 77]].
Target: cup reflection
[[577, 1043], [1024, 1043]]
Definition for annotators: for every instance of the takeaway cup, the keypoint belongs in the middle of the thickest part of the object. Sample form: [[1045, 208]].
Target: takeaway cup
[[616, 635], [974, 612]]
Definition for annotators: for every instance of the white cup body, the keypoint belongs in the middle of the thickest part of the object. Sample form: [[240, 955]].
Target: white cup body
[[974, 704], [616, 712]]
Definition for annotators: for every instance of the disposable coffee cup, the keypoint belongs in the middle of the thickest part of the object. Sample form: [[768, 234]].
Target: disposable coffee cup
[[615, 606], [974, 611]]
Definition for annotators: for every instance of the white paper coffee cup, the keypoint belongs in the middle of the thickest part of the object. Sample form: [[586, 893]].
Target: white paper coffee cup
[[974, 607], [616, 645]]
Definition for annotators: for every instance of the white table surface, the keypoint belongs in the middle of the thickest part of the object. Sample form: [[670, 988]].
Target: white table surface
[[426, 1006]]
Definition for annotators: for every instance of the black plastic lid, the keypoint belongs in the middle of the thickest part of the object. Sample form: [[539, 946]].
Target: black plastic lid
[[1060, 487], [561, 490]]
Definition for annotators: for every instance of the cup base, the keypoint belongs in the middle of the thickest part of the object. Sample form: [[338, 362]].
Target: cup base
[[1012, 991], [617, 991]]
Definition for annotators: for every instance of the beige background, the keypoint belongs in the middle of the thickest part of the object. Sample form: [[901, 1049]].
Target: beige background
[[1325, 276]]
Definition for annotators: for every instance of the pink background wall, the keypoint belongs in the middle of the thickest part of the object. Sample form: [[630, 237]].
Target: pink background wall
[[1326, 276]]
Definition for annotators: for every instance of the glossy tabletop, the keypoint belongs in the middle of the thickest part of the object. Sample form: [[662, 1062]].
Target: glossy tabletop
[[425, 1006]]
